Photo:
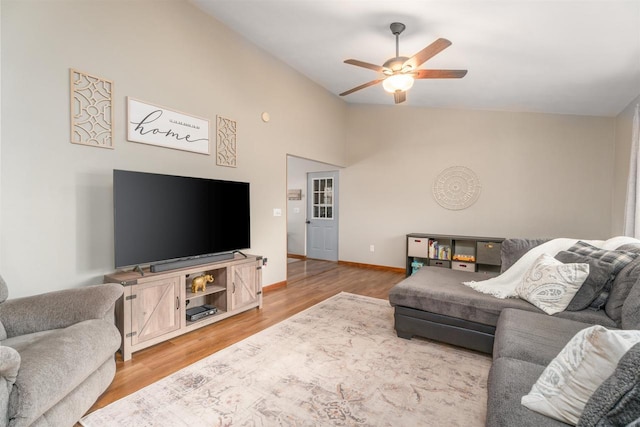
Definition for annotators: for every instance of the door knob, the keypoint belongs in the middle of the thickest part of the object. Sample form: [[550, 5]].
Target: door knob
[[307, 222]]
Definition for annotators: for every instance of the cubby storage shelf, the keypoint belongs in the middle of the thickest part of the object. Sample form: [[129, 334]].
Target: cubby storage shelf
[[465, 253]]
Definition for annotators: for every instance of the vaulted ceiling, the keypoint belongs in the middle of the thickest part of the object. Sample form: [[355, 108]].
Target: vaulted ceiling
[[563, 56]]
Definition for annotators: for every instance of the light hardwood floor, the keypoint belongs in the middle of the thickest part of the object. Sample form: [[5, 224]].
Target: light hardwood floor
[[309, 282]]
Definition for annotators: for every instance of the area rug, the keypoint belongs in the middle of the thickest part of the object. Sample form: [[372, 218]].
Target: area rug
[[338, 363]]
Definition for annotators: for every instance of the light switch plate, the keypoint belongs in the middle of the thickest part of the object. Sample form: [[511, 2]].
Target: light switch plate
[[277, 212]]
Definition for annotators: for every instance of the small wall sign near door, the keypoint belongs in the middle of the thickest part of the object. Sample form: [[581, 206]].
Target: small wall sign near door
[[155, 125], [456, 188]]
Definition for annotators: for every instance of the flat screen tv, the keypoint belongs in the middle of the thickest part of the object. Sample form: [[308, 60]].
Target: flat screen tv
[[159, 218]]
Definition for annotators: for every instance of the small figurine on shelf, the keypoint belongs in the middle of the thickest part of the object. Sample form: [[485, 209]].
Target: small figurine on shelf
[[201, 282], [415, 266]]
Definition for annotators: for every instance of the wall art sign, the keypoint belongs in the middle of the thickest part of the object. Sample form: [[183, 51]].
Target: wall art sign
[[226, 154], [456, 188], [91, 110], [155, 125], [295, 194]]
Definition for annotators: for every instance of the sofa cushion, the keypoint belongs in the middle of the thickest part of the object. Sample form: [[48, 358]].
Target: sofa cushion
[[22, 341], [9, 366], [622, 284], [509, 380], [550, 285], [4, 294], [532, 337], [600, 274], [617, 401], [630, 314], [440, 290], [512, 250], [587, 360], [57, 363], [4, 290]]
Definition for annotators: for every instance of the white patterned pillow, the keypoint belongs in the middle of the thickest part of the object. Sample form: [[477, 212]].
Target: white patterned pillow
[[566, 384], [550, 285]]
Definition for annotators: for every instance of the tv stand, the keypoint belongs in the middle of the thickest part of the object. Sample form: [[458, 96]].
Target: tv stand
[[153, 308], [188, 262]]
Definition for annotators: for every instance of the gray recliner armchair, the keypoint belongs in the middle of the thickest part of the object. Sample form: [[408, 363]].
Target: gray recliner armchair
[[56, 354]]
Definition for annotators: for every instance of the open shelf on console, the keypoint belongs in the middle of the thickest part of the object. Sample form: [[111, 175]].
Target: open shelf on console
[[208, 318], [211, 289]]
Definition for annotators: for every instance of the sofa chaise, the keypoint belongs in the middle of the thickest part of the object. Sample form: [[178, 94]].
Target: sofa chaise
[[57, 354]]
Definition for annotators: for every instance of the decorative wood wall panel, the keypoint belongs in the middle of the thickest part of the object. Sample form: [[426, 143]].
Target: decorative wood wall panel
[[91, 110], [226, 148]]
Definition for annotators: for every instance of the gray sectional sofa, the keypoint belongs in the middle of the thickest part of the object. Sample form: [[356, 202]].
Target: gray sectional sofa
[[434, 304]]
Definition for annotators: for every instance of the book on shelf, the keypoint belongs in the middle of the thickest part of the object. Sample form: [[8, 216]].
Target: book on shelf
[[438, 251]]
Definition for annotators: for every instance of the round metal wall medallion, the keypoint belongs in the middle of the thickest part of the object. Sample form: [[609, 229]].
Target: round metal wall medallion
[[456, 188]]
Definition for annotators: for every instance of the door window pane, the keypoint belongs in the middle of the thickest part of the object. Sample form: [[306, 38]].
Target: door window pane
[[322, 198]]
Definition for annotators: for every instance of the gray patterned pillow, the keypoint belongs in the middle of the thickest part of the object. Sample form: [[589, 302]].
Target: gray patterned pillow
[[617, 401], [619, 259], [600, 274]]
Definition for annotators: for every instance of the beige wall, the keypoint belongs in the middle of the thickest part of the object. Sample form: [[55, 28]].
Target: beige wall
[[57, 197], [541, 175], [623, 132]]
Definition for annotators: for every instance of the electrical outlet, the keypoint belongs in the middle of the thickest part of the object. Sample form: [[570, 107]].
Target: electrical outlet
[[372, 248]]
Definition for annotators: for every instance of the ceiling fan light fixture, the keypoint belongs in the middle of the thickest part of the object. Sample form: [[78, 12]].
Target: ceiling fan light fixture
[[398, 82]]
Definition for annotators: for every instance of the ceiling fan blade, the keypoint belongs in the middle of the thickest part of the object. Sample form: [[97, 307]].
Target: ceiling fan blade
[[428, 52], [399, 96], [363, 64], [439, 74], [371, 83]]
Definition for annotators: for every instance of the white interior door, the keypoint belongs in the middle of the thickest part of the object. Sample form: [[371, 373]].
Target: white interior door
[[322, 215]]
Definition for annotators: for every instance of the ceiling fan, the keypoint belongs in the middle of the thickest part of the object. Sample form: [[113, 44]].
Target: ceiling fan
[[399, 73]]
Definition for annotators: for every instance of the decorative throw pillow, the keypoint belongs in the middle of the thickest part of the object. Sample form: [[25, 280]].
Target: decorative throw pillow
[[511, 250], [618, 258], [551, 285], [567, 383], [622, 284], [600, 274], [617, 401]]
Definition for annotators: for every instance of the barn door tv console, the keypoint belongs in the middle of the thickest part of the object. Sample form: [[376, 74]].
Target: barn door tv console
[[154, 306]]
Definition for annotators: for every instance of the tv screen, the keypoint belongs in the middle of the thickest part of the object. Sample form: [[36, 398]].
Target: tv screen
[[163, 217]]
